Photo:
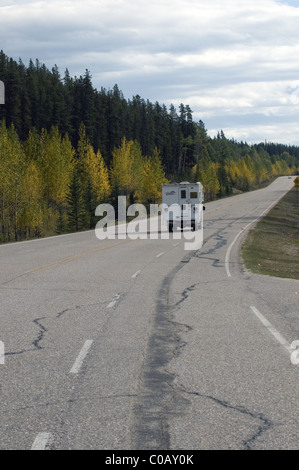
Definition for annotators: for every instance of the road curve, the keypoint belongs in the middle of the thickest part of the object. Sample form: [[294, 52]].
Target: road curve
[[140, 344]]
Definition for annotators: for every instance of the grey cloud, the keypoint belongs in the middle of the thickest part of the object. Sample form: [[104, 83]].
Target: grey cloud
[[171, 51]]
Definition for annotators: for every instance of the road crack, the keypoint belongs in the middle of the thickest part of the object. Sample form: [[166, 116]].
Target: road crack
[[60, 314], [36, 342], [42, 331], [159, 400], [265, 423]]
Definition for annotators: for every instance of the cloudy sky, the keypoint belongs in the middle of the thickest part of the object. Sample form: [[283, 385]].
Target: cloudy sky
[[235, 62]]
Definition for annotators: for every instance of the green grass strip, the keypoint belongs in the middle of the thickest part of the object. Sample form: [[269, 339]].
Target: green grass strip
[[272, 246]]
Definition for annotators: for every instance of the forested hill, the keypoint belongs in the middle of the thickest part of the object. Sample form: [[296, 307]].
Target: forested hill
[[39, 98], [66, 147]]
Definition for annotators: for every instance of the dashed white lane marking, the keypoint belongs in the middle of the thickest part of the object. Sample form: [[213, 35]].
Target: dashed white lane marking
[[288, 348], [41, 441], [82, 354], [113, 301], [136, 274], [160, 254]]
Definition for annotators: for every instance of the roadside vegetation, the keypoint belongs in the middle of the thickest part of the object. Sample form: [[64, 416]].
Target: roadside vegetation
[[66, 147], [272, 246]]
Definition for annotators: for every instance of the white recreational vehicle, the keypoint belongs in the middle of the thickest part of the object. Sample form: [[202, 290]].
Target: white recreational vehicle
[[183, 205]]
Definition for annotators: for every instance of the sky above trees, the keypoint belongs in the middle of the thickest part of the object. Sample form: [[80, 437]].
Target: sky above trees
[[235, 63]]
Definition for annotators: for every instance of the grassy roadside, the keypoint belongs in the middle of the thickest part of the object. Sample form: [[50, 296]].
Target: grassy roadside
[[272, 246]]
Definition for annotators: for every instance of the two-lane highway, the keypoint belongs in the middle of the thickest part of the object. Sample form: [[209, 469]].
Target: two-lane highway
[[123, 344]]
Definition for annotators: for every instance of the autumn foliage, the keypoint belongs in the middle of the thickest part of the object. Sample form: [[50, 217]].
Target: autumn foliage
[[66, 147]]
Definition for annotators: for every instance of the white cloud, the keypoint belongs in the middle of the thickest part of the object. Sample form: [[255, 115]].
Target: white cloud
[[228, 63], [252, 133]]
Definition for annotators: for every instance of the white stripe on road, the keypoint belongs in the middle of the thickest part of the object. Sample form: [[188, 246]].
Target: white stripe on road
[[82, 354], [136, 274], [160, 254], [41, 441], [226, 263], [113, 301], [273, 331]]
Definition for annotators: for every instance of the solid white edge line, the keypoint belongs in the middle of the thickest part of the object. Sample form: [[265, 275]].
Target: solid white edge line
[[273, 331], [81, 356], [226, 262], [41, 441]]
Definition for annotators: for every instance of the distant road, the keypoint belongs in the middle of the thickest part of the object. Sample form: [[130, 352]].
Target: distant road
[[122, 344]]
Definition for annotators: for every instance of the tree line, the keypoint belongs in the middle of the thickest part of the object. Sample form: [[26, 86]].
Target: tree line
[[65, 147], [47, 186]]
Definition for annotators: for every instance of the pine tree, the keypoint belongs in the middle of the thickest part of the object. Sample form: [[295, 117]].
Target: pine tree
[[76, 207], [225, 187]]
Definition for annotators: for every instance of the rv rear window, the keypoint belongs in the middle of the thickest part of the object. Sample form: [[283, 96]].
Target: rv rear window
[[183, 194], [193, 195]]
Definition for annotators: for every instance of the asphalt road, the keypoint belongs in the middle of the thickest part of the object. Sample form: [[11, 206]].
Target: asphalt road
[[139, 344]]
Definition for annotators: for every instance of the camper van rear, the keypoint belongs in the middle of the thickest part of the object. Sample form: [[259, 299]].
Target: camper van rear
[[183, 205]]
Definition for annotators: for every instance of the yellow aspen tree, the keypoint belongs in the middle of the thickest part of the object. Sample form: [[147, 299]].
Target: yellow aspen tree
[[12, 166], [121, 171], [137, 167], [56, 164], [245, 175], [206, 173], [96, 174], [31, 215], [54, 159], [92, 179], [150, 191], [232, 171], [4, 179], [103, 183]]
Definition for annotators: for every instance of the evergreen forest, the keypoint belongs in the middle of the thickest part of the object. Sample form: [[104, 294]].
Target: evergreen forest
[[66, 147]]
